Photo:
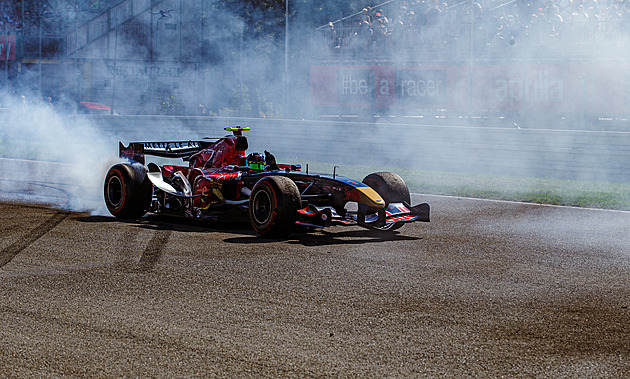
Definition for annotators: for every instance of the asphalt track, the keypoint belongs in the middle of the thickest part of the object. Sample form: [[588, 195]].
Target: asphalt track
[[486, 289]]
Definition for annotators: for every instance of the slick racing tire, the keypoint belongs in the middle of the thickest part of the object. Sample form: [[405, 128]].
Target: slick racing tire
[[127, 192], [273, 206], [392, 189]]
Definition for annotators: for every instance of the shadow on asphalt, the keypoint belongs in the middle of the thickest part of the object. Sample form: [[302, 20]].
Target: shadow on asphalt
[[324, 237], [352, 236]]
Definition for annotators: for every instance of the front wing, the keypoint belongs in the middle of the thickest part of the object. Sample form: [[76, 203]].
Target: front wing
[[385, 219]]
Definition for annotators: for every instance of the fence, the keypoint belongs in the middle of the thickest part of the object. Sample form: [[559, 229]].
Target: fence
[[465, 41]]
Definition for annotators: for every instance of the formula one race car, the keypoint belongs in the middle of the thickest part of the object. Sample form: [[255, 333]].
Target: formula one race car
[[278, 197]]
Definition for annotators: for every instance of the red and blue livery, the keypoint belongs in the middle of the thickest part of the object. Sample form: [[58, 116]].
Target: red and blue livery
[[278, 198]]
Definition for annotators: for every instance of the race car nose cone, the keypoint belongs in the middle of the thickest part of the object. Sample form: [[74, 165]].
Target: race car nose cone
[[370, 197]]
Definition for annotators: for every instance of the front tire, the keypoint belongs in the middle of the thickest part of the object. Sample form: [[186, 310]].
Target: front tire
[[392, 189], [273, 206], [127, 192]]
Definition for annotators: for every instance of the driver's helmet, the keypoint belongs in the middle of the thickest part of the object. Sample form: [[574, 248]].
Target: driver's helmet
[[256, 162]]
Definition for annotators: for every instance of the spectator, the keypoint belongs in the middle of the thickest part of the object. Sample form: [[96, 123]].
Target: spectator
[[364, 39], [593, 23], [333, 41], [411, 29], [401, 17], [537, 22], [381, 36], [509, 30], [577, 14], [613, 19], [576, 23], [364, 16], [536, 28], [398, 27], [9, 17], [413, 25], [554, 20], [380, 15], [49, 102]]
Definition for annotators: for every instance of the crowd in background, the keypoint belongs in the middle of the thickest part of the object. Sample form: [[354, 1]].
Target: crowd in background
[[55, 15], [435, 25], [10, 20]]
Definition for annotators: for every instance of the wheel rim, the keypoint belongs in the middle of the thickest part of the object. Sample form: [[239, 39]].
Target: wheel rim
[[261, 207], [114, 191]]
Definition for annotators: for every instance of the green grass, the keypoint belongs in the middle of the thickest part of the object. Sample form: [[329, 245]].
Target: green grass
[[589, 194]]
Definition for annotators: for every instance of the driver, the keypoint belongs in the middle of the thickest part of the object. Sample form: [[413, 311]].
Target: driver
[[256, 162]]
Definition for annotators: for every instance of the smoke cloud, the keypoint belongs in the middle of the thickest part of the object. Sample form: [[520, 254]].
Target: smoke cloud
[[459, 103], [53, 158]]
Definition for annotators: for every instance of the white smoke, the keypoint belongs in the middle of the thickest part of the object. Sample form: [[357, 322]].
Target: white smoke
[[221, 65], [53, 157]]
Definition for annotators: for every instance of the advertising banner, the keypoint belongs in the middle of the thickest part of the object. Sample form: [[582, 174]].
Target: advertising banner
[[421, 88], [384, 86], [563, 88], [7, 45], [355, 86], [558, 88], [323, 87]]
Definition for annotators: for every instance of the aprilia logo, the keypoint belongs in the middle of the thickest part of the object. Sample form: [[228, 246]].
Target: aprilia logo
[[538, 88]]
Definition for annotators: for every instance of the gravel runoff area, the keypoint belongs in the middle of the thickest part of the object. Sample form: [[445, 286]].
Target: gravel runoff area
[[485, 289]]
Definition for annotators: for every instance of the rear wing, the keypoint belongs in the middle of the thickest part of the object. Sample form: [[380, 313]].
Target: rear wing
[[136, 151]]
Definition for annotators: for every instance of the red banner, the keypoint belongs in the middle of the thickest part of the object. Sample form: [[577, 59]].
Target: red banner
[[7, 44], [384, 86], [568, 88]]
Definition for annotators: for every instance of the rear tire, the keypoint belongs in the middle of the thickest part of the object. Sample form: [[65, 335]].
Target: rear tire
[[127, 192], [273, 206], [392, 189]]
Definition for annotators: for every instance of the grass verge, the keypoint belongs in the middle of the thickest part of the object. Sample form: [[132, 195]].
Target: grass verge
[[588, 194]]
